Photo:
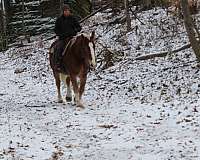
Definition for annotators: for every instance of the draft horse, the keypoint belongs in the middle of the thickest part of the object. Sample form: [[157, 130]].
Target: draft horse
[[78, 58]]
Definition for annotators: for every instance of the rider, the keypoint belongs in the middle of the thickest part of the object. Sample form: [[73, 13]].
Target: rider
[[66, 27]]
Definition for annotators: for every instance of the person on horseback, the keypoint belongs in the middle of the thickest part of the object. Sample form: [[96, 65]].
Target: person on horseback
[[66, 27]]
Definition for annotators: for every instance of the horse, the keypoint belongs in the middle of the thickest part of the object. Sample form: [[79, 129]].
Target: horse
[[78, 59]]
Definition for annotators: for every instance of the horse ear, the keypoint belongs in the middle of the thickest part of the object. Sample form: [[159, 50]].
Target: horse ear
[[92, 38]]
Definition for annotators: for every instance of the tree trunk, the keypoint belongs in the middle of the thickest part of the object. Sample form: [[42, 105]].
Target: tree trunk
[[128, 19], [146, 4], [23, 25], [3, 23], [61, 5], [3, 16], [116, 5], [190, 28]]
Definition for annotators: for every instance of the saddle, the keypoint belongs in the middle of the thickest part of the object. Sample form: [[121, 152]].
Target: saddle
[[59, 48]]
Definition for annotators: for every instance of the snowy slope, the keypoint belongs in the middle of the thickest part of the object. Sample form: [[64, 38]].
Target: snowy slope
[[137, 110]]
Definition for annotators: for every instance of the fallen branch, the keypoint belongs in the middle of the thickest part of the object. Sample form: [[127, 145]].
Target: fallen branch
[[162, 54], [35, 106], [118, 20], [107, 126]]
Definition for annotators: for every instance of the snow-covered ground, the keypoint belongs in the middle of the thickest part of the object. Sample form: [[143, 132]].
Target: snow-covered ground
[[137, 110]]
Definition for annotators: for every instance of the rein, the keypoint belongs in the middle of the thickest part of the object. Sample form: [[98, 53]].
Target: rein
[[68, 44]]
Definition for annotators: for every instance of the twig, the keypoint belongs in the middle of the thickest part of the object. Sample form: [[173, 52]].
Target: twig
[[35, 106], [136, 16], [107, 126]]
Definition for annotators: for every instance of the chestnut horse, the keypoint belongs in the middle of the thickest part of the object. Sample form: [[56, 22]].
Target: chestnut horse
[[78, 58]]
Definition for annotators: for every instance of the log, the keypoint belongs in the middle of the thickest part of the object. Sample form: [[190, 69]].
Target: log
[[162, 54]]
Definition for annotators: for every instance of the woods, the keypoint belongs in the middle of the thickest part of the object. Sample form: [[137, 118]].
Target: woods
[[15, 23], [15, 16], [31, 18]]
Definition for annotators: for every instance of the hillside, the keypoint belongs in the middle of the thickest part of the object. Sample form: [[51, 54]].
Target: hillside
[[134, 109]]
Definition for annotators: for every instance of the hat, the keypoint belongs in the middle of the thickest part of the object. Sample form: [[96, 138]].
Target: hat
[[66, 7]]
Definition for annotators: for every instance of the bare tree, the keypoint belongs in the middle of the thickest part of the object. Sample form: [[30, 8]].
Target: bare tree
[[3, 13], [190, 28], [3, 27], [146, 3], [23, 13], [116, 5], [61, 4], [128, 19]]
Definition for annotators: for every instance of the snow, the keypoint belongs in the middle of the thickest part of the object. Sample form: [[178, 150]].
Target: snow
[[138, 110]]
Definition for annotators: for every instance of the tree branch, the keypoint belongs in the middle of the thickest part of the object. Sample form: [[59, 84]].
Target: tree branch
[[95, 12]]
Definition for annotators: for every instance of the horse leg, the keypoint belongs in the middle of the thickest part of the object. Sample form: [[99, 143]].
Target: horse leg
[[69, 92], [57, 78], [82, 85], [76, 91]]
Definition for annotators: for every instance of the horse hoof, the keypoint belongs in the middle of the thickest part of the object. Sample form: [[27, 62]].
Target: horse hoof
[[60, 101], [68, 99], [80, 106]]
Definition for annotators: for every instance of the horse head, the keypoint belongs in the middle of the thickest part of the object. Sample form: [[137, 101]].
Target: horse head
[[88, 44]]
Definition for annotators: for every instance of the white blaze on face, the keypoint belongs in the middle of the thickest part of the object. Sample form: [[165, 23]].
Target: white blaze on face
[[91, 46], [92, 53]]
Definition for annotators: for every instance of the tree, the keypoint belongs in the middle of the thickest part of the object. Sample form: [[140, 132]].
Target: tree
[[23, 14], [61, 4], [128, 19], [116, 5], [3, 16], [3, 26], [190, 28]]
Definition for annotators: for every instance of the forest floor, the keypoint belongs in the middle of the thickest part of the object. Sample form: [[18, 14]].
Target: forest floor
[[134, 110]]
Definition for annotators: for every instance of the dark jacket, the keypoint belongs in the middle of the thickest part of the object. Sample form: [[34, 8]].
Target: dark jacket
[[66, 26]]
